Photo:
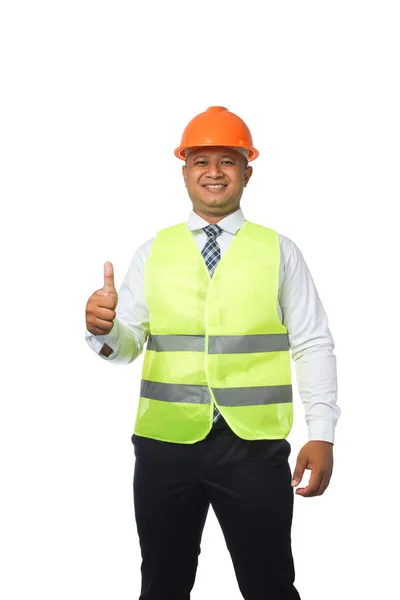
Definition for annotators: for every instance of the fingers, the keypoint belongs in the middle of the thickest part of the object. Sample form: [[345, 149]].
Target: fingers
[[100, 323], [99, 330], [109, 287], [100, 308], [100, 318], [319, 481], [316, 456], [313, 485], [99, 299], [299, 471], [323, 485], [104, 314]]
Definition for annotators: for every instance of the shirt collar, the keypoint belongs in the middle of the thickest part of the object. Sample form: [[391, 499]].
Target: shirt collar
[[232, 223]]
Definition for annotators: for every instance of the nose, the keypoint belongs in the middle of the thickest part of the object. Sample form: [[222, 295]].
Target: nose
[[214, 170]]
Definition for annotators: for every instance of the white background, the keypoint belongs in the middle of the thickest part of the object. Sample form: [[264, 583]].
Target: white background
[[94, 98]]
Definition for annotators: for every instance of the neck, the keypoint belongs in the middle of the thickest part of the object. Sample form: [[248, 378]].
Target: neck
[[212, 219]]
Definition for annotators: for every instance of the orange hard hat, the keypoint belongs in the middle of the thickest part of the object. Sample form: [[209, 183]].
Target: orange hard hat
[[217, 127]]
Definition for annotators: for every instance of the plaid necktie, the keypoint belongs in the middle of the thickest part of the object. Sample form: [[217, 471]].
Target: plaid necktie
[[212, 255]]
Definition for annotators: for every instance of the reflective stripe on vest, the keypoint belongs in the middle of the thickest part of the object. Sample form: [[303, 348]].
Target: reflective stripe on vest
[[219, 344], [198, 394], [214, 340]]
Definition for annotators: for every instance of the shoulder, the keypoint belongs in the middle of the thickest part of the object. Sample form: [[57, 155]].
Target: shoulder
[[290, 253], [143, 250], [172, 230], [140, 256], [291, 256], [287, 245]]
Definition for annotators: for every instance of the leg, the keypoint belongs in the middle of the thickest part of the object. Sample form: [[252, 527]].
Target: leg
[[249, 488], [170, 509]]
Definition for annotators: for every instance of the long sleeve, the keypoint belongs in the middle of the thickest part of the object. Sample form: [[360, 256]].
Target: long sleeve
[[131, 325], [311, 345]]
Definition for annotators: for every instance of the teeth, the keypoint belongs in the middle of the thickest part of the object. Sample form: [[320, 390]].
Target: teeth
[[215, 186]]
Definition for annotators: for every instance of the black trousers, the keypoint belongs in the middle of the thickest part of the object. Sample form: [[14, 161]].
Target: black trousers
[[248, 485]]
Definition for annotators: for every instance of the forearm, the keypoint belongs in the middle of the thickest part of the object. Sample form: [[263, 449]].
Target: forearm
[[120, 346], [317, 385]]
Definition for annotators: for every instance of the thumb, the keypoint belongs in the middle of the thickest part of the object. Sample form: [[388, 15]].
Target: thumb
[[299, 471], [108, 287]]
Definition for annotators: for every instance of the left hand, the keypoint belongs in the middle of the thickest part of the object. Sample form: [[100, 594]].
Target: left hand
[[317, 456]]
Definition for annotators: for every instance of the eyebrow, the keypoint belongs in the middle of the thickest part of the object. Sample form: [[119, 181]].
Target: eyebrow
[[219, 156]]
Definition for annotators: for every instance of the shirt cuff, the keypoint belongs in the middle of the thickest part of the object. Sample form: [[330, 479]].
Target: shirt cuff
[[321, 429], [111, 339]]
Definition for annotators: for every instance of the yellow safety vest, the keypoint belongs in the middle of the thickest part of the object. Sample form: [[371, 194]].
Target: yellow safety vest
[[214, 341]]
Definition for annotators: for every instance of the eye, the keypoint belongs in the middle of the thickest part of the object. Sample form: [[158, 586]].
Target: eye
[[200, 163], [228, 162]]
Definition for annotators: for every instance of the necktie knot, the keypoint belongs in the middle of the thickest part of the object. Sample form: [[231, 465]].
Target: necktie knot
[[213, 231]]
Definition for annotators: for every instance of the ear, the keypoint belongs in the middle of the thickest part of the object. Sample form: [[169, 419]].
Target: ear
[[247, 174], [184, 173]]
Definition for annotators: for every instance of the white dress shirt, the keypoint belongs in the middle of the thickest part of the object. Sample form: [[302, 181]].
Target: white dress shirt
[[299, 309]]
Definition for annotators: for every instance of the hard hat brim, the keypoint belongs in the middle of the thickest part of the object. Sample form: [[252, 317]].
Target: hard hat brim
[[180, 152]]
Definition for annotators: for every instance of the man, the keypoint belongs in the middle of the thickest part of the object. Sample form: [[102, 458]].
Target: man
[[220, 301]]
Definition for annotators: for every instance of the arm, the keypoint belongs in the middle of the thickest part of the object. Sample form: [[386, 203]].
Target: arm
[[312, 347], [126, 339]]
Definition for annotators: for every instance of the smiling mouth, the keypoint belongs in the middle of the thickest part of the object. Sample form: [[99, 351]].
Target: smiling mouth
[[215, 186]]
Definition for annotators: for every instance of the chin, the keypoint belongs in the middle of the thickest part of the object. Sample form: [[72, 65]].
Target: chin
[[216, 202]]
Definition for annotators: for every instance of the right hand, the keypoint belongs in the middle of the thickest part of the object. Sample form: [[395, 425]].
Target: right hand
[[100, 308]]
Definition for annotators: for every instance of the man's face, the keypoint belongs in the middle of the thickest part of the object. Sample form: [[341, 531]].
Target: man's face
[[215, 177]]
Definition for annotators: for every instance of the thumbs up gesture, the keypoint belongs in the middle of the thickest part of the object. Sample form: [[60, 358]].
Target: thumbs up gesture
[[100, 308]]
